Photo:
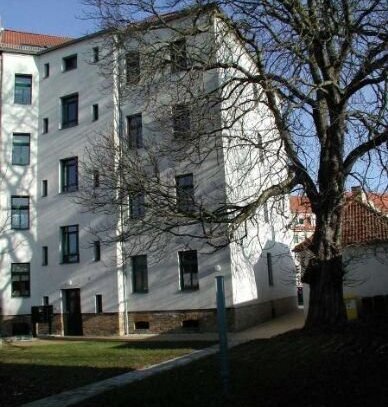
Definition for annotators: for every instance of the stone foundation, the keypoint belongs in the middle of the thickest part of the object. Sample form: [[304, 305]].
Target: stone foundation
[[15, 325], [159, 322], [100, 324], [248, 315]]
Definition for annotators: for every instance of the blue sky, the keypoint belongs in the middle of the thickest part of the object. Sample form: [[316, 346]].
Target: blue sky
[[57, 17]]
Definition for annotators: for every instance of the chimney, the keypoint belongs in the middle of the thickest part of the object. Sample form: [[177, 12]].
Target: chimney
[[358, 193]]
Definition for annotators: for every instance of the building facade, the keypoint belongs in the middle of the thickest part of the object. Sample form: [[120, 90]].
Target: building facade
[[55, 100]]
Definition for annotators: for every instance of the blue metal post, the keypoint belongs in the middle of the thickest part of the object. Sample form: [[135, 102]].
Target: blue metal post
[[222, 331]]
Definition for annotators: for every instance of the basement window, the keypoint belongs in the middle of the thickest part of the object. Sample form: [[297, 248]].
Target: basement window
[[142, 325], [190, 324]]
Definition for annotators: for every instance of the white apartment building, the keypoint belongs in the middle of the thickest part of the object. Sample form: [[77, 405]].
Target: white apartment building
[[54, 101]]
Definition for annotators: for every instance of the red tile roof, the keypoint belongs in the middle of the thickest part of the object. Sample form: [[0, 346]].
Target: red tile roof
[[300, 204], [361, 224], [23, 39]]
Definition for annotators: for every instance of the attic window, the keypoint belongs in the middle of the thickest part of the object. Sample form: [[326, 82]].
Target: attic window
[[69, 63]]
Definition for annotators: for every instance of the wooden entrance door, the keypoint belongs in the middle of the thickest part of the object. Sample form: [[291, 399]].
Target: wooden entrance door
[[72, 311]]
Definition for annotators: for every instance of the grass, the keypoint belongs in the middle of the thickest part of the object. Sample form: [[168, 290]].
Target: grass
[[349, 368], [32, 370]]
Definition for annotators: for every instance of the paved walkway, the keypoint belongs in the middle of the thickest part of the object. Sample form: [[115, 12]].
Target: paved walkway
[[265, 330]]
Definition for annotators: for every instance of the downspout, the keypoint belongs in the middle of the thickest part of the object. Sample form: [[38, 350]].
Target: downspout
[[118, 133]]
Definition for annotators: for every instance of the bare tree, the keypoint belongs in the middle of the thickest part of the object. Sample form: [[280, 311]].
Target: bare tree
[[302, 88]]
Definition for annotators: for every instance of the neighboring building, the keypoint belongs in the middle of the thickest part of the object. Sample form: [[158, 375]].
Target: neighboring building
[[53, 100], [365, 255], [303, 219]]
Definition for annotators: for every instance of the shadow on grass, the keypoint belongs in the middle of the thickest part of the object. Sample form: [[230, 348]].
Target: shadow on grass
[[24, 383], [158, 345]]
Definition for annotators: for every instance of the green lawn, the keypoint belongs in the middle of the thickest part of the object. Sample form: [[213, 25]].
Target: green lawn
[[32, 370], [294, 369]]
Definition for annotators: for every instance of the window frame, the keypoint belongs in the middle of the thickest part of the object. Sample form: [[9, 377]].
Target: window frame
[[137, 206], [132, 67], [44, 186], [95, 112], [96, 54], [97, 250], [140, 270], [181, 121], [178, 55], [98, 304], [69, 63], [68, 256], [186, 263], [44, 255], [21, 145], [135, 131], [23, 91], [270, 270], [185, 194], [66, 165], [19, 211], [45, 125], [46, 70], [67, 103], [27, 291]]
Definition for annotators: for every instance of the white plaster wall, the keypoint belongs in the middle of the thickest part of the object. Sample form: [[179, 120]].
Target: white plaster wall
[[17, 246], [59, 209], [163, 270], [247, 174], [366, 270]]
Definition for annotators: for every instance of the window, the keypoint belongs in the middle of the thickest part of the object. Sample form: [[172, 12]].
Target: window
[[266, 214], [139, 274], [95, 112], [296, 239], [132, 63], [44, 188], [97, 250], [23, 89], [45, 300], [188, 265], [45, 125], [70, 250], [20, 212], [269, 268], [69, 63], [96, 54], [142, 325], [260, 146], [69, 174], [21, 149], [135, 131], [308, 220], [181, 121], [136, 206], [44, 255], [20, 279], [46, 72], [96, 178], [98, 304], [178, 55], [185, 193], [301, 221], [70, 111]]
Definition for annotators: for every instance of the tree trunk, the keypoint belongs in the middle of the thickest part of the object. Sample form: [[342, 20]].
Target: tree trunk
[[326, 306]]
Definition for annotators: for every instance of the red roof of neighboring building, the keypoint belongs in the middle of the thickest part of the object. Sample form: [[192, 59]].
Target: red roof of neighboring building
[[299, 204], [23, 39], [360, 225]]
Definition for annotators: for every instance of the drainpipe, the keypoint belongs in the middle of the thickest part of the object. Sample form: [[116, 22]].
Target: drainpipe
[[118, 133]]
